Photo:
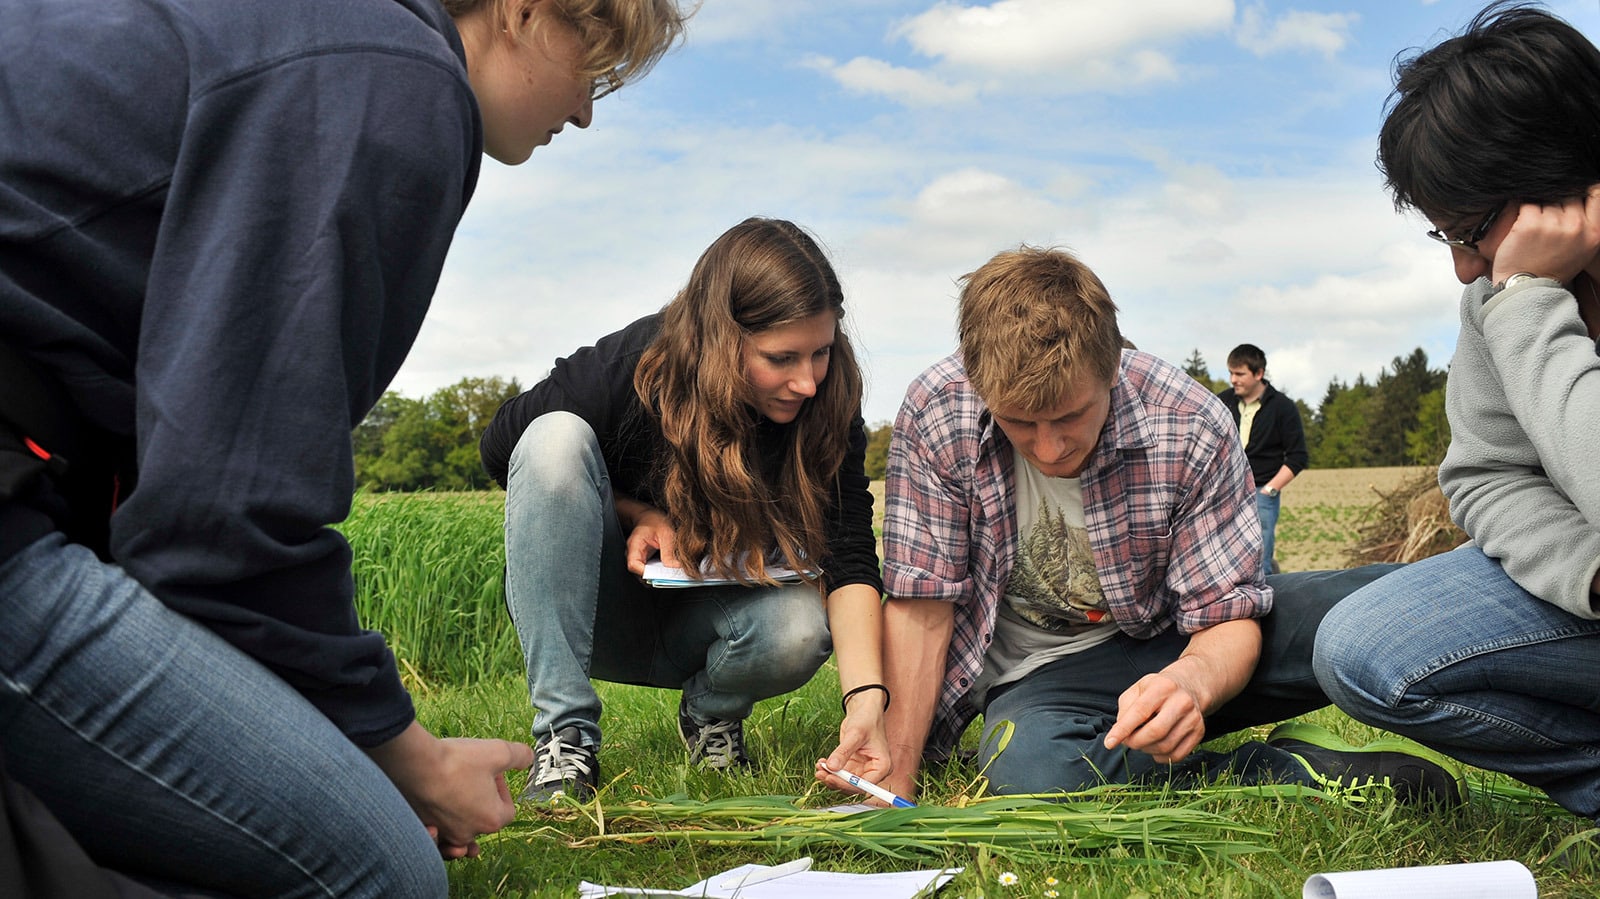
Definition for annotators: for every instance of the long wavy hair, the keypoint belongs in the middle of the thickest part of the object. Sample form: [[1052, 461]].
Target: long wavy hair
[[760, 274]]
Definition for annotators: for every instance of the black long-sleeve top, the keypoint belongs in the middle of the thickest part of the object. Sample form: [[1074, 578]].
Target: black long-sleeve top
[[596, 384], [1277, 437]]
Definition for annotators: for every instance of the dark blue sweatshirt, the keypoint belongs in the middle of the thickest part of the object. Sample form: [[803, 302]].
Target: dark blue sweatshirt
[[221, 225]]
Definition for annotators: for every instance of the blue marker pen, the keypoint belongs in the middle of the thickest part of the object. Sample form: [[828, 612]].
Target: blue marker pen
[[861, 783]]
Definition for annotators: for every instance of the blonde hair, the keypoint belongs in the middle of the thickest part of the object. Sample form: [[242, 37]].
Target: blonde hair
[[1033, 323], [621, 39], [760, 274]]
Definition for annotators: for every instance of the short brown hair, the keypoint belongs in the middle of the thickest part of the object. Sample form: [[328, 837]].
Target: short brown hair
[[1034, 322], [621, 39]]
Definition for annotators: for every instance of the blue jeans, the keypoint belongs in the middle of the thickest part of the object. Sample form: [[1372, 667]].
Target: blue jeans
[[1267, 511], [1060, 713], [175, 758], [580, 613], [1452, 653]]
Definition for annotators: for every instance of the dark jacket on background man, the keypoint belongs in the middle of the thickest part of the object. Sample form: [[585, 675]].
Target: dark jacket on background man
[[1276, 436]]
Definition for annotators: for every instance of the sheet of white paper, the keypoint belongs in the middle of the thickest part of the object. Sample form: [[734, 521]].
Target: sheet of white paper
[[805, 885], [659, 575], [1475, 880]]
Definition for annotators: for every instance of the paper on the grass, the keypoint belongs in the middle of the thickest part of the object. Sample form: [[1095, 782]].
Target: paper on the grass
[[804, 885], [659, 575], [854, 808], [1474, 880]]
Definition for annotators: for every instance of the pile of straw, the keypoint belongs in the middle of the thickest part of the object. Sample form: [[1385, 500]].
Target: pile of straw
[[1409, 523]]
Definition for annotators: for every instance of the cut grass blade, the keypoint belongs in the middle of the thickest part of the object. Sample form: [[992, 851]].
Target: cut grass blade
[[1147, 826]]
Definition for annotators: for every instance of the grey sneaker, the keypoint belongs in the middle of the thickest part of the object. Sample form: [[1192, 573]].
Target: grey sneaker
[[562, 766], [716, 744], [1417, 774]]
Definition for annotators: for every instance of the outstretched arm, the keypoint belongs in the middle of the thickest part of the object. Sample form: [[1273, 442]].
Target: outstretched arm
[[456, 786], [855, 617], [1164, 713], [916, 639]]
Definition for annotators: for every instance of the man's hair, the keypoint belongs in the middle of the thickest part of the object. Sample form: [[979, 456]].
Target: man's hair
[[1250, 356], [1509, 110], [621, 39], [759, 275], [1033, 324]]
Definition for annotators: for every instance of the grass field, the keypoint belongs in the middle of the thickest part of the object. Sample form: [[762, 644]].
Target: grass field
[[1322, 508], [429, 575]]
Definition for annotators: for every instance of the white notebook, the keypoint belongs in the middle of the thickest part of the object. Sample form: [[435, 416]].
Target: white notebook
[[659, 575]]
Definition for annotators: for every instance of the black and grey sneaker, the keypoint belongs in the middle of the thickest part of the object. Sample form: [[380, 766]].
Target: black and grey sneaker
[[1416, 774], [562, 766], [716, 744]]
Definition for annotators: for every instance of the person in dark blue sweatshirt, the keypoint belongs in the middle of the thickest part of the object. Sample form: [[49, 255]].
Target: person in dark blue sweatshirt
[[221, 225]]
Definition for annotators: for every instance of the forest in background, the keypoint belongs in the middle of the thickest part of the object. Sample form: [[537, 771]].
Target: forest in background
[[1396, 418]]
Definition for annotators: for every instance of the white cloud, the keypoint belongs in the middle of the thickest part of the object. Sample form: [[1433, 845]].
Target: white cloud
[[1316, 268], [1058, 35], [911, 87], [1215, 216], [1295, 30], [722, 21], [1034, 46]]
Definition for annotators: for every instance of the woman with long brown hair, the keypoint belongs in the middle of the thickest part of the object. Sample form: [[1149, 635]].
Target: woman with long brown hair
[[724, 435]]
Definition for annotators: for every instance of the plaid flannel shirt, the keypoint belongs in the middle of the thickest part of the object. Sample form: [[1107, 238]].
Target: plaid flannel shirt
[[1167, 498]]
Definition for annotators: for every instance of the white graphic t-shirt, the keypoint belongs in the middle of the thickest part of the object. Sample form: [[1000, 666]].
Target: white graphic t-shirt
[[1053, 605]]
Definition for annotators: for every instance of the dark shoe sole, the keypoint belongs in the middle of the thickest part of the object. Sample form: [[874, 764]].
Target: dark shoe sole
[[1416, 773]]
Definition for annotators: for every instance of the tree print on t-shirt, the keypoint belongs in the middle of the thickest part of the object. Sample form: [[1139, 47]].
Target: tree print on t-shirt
[[1054, 584]]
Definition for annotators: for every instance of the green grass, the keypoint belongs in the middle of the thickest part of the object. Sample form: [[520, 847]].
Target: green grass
[[430, 575], [428, 569]]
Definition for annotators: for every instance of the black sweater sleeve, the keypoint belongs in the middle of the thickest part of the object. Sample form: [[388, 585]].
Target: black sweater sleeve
[[852, 547], [595, 383]]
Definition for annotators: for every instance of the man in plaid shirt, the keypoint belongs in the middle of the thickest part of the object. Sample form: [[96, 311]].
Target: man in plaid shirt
[[1072, 550]]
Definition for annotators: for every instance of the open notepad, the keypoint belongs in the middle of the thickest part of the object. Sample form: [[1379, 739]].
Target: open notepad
[[753, 882], [659, 575]]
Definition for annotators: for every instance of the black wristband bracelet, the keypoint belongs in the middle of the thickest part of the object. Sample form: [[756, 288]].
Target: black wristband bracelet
[[844, 701]]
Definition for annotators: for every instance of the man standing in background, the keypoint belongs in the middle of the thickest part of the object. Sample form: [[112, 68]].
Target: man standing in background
[[1274, 440]]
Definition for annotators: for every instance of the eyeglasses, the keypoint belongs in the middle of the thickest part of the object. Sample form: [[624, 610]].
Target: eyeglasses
[[1470, 242], [604, 86]]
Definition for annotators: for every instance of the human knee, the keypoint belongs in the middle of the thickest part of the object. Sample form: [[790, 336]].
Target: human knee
[[791, 644], [1347, 657], [794, 657], [1017, 758], [556, 449], [416, 873]]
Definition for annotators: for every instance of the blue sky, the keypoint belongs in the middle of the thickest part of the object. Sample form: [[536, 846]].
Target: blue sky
[[1211, 160]]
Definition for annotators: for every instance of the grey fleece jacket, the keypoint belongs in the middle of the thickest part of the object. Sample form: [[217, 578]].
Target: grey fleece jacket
[[1521, 474]]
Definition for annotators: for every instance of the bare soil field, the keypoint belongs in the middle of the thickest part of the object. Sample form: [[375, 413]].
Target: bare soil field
[[1321, 514], [1323, 510], [1347, 486]]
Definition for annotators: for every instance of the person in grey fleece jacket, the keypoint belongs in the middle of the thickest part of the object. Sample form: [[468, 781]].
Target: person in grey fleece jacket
[[1489, 653]]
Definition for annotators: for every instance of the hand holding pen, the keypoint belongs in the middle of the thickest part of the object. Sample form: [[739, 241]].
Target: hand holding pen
[[866, 786], [864, 754]]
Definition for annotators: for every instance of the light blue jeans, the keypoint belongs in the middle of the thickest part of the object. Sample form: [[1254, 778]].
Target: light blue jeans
[[1059, 714], [580, 613], [1451, 652], [175, 758], [1267, 510]]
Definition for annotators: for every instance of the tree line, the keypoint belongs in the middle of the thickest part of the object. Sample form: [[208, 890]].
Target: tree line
[[1396, 418]]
